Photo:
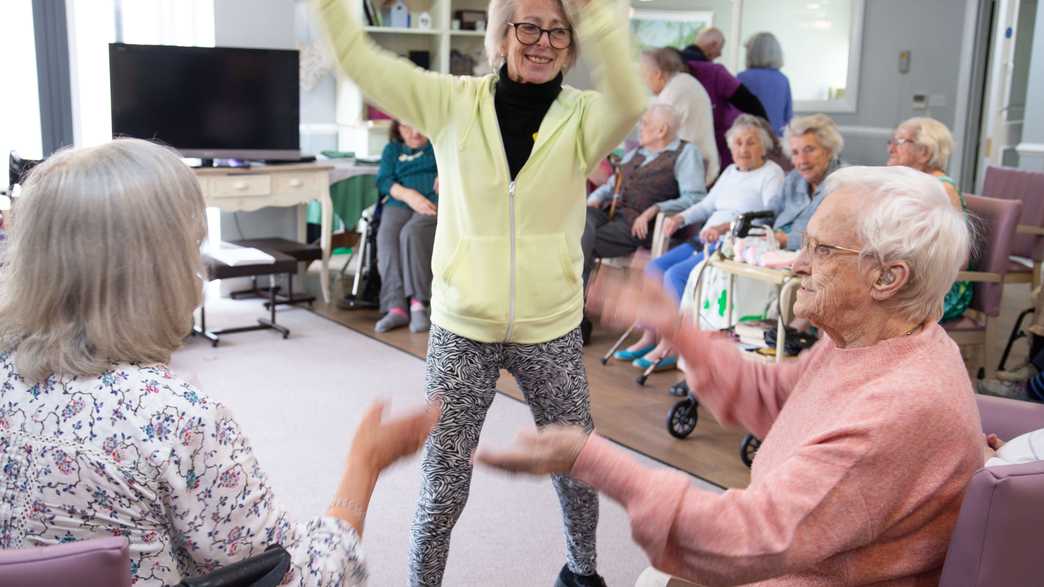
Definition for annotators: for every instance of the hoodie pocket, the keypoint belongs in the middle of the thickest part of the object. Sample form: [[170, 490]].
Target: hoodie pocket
[[548, 276], [475, 281]]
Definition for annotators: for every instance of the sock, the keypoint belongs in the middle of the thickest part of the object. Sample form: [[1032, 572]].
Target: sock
[[416, 304]]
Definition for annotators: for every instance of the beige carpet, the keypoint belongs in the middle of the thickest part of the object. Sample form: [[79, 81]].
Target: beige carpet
[[299, 401]]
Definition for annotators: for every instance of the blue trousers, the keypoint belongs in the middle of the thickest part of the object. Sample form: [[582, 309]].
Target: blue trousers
[[675, 265]]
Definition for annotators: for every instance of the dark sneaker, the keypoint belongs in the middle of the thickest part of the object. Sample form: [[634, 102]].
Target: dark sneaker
[[567, 578]]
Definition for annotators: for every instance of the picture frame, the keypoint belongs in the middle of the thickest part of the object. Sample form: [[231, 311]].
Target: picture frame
[[668, 28]]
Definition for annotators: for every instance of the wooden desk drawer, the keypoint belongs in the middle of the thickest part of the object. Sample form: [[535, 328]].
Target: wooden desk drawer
[[299, 183], [240, 185]]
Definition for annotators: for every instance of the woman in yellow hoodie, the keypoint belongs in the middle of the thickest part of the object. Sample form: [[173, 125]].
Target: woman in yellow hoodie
[[513, 150]]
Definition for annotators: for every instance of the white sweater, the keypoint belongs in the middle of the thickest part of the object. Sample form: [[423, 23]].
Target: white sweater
[[1022, 449], [693, 105], [737, 192]]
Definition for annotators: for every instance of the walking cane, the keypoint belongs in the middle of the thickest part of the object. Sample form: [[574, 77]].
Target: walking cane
[[614, 161]]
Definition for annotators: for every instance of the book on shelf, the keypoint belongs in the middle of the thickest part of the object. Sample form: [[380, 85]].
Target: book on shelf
[[235, 255], [368, 9], [753, 332]]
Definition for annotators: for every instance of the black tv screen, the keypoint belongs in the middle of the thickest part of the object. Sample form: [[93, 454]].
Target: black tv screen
[[208, 102]]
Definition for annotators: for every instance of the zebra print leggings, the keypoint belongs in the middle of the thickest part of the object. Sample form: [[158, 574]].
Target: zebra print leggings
[[463, 373]]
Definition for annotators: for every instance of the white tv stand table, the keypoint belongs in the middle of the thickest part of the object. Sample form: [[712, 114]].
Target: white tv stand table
[[248, 189]]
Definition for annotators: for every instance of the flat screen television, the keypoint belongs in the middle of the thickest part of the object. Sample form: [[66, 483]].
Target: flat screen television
[[208, 102]]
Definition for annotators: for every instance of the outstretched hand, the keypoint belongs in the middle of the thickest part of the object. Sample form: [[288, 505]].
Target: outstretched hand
[[379, 443], [622, 300], [551, 450]]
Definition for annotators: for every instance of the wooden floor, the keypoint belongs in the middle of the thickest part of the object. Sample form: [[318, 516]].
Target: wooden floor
[[629, 414]]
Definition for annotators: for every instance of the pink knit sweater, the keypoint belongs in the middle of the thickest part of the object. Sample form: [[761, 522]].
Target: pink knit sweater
[[859, 480]]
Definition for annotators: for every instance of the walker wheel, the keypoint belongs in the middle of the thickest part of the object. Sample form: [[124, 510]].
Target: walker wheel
[[681, 420], [749, 448], [641, 379], [604, 360]]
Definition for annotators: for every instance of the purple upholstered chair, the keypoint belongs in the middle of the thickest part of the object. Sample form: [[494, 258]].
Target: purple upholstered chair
[[99, 562], [995, 221], [1028, 243], [997, 540]]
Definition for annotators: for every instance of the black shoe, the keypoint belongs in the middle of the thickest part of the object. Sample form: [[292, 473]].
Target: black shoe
[[567, 578], [585, 330]]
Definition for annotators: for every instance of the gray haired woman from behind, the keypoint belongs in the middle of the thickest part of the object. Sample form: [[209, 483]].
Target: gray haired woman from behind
[[97, 436]]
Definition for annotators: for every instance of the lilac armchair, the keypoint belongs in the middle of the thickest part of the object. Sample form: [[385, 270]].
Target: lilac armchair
[[1028, 242], [996, 220], [99, 562], [998, 534]]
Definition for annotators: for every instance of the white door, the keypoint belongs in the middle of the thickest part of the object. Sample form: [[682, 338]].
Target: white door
[[1007, 74]]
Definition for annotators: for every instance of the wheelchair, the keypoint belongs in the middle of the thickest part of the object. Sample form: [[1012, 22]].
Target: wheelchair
[[366, 286]]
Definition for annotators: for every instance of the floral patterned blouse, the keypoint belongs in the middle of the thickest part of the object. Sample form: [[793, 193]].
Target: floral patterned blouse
[[136, 452]]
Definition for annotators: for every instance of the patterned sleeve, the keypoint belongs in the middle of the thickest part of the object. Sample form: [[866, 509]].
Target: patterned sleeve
[[222, 509]]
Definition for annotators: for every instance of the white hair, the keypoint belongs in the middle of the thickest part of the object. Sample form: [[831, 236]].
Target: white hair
[[933, 136], [103, 264], [822, 126], [745, 122], [502, 12], [909, 218], [763, 51], [668, 115]]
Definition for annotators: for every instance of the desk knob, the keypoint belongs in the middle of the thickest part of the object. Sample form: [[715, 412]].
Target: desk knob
[[296, 183], [241, 185]]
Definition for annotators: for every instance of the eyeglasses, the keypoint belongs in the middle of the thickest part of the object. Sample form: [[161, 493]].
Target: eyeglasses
[[894, 142], [528, 33], [820, 251]]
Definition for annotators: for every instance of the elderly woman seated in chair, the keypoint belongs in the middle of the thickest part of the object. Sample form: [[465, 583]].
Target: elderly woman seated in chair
[[406, 236], [99, 437], [751, 183], [870, 437], [925, 144]]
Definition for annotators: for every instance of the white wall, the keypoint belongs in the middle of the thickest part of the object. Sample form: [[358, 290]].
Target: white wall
[[931, 30]]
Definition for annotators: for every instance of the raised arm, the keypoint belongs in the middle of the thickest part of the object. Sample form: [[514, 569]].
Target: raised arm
[[614, 108], [418, 97]]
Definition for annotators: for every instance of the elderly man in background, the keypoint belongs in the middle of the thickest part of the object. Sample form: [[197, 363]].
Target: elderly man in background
[[669, 80], [729, 97], [814, 143], [870, 437], [664, 174]]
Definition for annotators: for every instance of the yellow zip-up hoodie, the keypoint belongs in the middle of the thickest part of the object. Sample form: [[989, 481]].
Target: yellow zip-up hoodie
[[507, 260]]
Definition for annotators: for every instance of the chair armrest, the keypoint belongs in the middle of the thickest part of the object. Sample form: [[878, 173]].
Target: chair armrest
[[1008, 418], [995, 540], [1029, 229], [659, 239], [980, 277]]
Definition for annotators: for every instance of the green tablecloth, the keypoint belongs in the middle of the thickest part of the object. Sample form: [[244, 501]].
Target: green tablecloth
[[350, 197]]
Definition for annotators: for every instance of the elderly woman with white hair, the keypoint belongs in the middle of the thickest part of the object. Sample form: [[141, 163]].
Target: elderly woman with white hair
[[97, 436], [814, 143], [925, 144], [765, 80], [751, 183], [514, 149], [870, 437]]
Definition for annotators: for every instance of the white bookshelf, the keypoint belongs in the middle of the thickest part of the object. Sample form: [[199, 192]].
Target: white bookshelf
[[438, 41]]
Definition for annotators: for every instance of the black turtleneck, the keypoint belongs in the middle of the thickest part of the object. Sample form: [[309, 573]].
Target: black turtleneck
[[520, 110]]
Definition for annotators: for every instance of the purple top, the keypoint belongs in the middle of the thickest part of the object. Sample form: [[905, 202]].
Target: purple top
[[720, 86], [773, 90]]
